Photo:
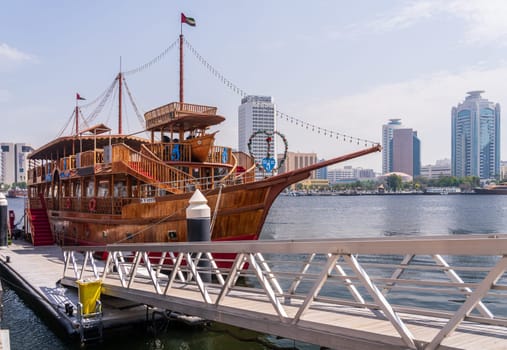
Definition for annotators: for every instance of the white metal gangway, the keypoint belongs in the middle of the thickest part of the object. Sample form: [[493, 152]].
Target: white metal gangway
[[432, 292]]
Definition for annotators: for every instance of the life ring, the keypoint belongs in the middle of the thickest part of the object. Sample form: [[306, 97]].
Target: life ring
[[92, 204], [68, 203]]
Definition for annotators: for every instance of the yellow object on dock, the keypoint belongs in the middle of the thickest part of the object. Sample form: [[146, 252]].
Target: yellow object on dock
[[89, 294]]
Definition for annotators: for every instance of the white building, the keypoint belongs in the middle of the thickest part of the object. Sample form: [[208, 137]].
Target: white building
[[439, 169], [256, 114], [336, 175], [14, 162], [348, 173]]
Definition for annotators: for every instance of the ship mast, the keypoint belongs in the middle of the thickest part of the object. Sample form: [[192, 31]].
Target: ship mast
[[119, 103], [181, 67], [77, 118], [120, 77]]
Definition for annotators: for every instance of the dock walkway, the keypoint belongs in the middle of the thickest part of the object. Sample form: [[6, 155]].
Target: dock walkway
[[446, 292], [35, 273]]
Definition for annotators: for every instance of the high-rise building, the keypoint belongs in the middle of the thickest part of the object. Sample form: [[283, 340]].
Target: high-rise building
[[387, 150], [257, 114], [14, 162], [406, 152], [476, 137], [297, 160], [321, 173]]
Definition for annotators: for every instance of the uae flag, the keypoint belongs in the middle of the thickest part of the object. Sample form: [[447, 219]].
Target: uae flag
[[188, 20], [78, 97]]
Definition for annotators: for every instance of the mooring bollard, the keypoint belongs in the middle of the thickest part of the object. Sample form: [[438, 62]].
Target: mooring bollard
[[198, 228], [3, 220]]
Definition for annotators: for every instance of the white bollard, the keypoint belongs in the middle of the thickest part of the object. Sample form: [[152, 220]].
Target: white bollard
[[198, 228], [198, 218]]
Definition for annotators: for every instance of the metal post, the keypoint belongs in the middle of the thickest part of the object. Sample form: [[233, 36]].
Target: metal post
[[3, 220], [198, 227]]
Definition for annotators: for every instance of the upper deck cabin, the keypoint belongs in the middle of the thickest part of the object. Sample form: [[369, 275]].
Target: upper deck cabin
[[182, 154], [185, 120]]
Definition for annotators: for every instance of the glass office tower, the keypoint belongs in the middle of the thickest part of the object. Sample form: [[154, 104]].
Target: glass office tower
[[476, 137]]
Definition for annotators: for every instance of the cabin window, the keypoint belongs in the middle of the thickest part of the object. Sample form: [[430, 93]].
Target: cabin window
[[90, 189], [103, 189], [78, 190], [55, 190], [120, 190]]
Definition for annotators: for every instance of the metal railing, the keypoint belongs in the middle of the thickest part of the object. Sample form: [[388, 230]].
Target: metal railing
[[457, 279]]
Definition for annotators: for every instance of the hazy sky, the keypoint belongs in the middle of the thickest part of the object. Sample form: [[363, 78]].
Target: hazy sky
[[347, 66]]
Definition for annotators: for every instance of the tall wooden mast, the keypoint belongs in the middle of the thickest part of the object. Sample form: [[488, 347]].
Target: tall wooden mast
[[77, 118], [181, 68], [119, 103]]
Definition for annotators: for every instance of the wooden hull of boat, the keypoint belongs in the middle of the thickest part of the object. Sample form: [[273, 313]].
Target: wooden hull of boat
[[242, 210], [238, 212]]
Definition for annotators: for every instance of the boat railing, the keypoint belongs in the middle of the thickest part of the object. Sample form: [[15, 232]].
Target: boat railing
[[90, 158], [221, 155], [67, 163], [154, 172], [171, 151], [245, 169], [99, 205], [166, 113]]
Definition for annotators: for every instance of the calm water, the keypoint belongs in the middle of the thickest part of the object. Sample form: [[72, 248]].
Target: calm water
[[290, 218]]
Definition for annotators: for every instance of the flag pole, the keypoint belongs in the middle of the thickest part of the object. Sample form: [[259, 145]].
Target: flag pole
[[181, 68]]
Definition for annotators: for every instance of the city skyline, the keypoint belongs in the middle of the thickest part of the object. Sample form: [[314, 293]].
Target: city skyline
[[376, 60]]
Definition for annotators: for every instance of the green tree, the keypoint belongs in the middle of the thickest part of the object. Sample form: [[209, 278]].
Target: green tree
[[394, 182], [21, 185]]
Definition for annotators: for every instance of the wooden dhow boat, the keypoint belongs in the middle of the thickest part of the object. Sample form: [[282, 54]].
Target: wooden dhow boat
[[95, 187]]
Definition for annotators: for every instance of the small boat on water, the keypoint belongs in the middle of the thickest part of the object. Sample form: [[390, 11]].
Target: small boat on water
[[95, 187], [16, 193], [492, 189]]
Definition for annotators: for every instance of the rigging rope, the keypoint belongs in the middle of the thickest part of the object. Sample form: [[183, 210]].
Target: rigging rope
[[86, 105], [311, 127], [136, 110], [67, 124], [217, 205], [105, 98], [153, 61]]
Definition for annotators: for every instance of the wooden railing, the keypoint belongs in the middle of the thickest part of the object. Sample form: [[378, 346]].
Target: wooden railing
[[167, 151], [153, 171], [164, 114]]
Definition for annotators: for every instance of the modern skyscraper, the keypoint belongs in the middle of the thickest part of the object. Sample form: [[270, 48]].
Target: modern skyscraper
[[257, 114], [14, 163], [476, 137], [406, 151], [387, 137]]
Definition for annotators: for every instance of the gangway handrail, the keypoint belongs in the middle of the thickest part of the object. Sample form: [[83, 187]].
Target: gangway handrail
[[301, 277]]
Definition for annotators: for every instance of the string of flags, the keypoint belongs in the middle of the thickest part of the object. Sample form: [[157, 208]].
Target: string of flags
[[298, 122]]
